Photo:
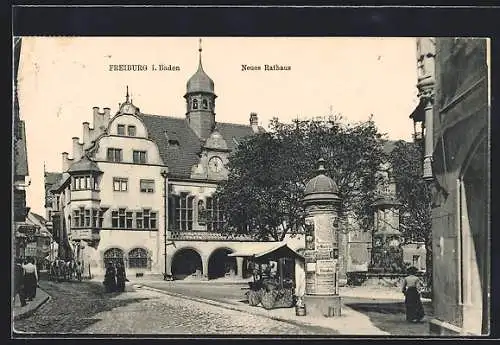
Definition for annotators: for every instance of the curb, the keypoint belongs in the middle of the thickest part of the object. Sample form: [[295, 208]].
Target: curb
[[230, 306], [31, 311]]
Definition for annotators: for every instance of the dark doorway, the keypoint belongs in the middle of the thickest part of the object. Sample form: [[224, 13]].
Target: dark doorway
[[186, 262], [220, 265]]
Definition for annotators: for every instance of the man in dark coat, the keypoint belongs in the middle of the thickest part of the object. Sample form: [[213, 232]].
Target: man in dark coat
[[19, 282], [110, 277], [121, 277]]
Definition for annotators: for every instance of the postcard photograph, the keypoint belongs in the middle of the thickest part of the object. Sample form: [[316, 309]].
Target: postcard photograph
[[280, 186]]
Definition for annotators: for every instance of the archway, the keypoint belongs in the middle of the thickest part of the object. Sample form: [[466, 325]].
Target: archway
[[221, 264], [114, 255], [186, 262]]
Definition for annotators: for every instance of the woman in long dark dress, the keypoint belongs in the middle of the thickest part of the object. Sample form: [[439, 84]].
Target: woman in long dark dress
[[121, 277], [30, 279], [411, 288], [110, 278]]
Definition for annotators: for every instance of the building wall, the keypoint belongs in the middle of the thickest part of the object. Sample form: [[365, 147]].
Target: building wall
[[460, 227]]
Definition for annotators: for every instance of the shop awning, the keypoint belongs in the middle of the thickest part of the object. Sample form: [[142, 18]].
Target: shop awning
[[268, 251]]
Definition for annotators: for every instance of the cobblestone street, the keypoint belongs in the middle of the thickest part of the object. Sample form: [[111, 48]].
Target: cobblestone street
[[84, 308]]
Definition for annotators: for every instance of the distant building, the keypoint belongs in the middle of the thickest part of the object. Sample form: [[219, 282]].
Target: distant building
[[454, 113]]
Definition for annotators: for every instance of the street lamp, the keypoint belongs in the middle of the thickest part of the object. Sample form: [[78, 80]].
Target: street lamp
[[164, 174]]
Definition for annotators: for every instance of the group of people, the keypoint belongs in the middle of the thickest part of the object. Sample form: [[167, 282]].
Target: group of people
[[115, 277], [25, 280], [61, 270]]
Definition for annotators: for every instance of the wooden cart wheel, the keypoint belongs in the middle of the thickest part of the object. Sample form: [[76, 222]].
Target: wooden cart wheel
[[268, 299]]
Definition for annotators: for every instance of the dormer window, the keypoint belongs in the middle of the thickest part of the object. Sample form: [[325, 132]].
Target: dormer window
[[131, 131], [120, 129], [195, 104], [204, 104]]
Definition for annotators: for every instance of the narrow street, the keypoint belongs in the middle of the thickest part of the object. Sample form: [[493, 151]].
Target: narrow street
[[83, 308]]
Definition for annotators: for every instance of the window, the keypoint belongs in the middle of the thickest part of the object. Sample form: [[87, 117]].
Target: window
[[87, 218], [181, 212], [138, 220], [149, 219], [114, 155], [131, 131], [204, 104], [121, 218], [152, 221], [145, 217], [114, 255], [139, 157], [129, 219], [120, 129], [101, 218], [147, 186], [214, 215], [95, 218], [195, 104], [76, 218], [82, 182], [82, 216], [114, 219], [120, 184], [138, 258]]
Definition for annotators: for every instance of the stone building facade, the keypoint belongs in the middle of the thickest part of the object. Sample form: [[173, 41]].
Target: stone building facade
[[22, 231], [109, 203], [455, 111]]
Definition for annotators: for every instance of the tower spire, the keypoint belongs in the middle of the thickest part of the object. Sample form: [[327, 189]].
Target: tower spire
[[127, 96], [200, 50]]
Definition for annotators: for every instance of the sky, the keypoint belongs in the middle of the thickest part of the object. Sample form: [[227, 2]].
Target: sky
[[61, 78]]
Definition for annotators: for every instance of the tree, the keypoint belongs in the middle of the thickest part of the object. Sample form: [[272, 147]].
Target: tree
[[268, 173], [414, 193]]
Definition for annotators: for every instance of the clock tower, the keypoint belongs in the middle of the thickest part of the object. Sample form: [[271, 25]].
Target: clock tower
[[200, 102]]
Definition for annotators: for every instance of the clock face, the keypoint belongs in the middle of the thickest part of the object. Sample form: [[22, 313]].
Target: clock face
[[215, 164], [128, 108]]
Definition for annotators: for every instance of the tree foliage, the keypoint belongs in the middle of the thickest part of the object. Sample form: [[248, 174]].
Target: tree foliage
[[414, 193], [268, 173]]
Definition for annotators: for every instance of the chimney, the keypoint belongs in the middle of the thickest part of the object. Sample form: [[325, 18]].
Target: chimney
[[107, 116], [86, 134], [77, 149], [97, 118], [65, 162], [254, 122]]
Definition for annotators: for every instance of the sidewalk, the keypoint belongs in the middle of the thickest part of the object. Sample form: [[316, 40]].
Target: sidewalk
[[375, 293], [31, 306], [350, 322]]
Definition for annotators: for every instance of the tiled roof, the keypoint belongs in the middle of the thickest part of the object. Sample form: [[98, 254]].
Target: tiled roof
[[39, 218], [181, 158], [51, 178], [21, 154], [84, 165]]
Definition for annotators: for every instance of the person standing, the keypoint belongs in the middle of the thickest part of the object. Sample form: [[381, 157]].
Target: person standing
[[19, 282], [79, 271], [411, 289], [110, 277], [121, 277], [30, 279]]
